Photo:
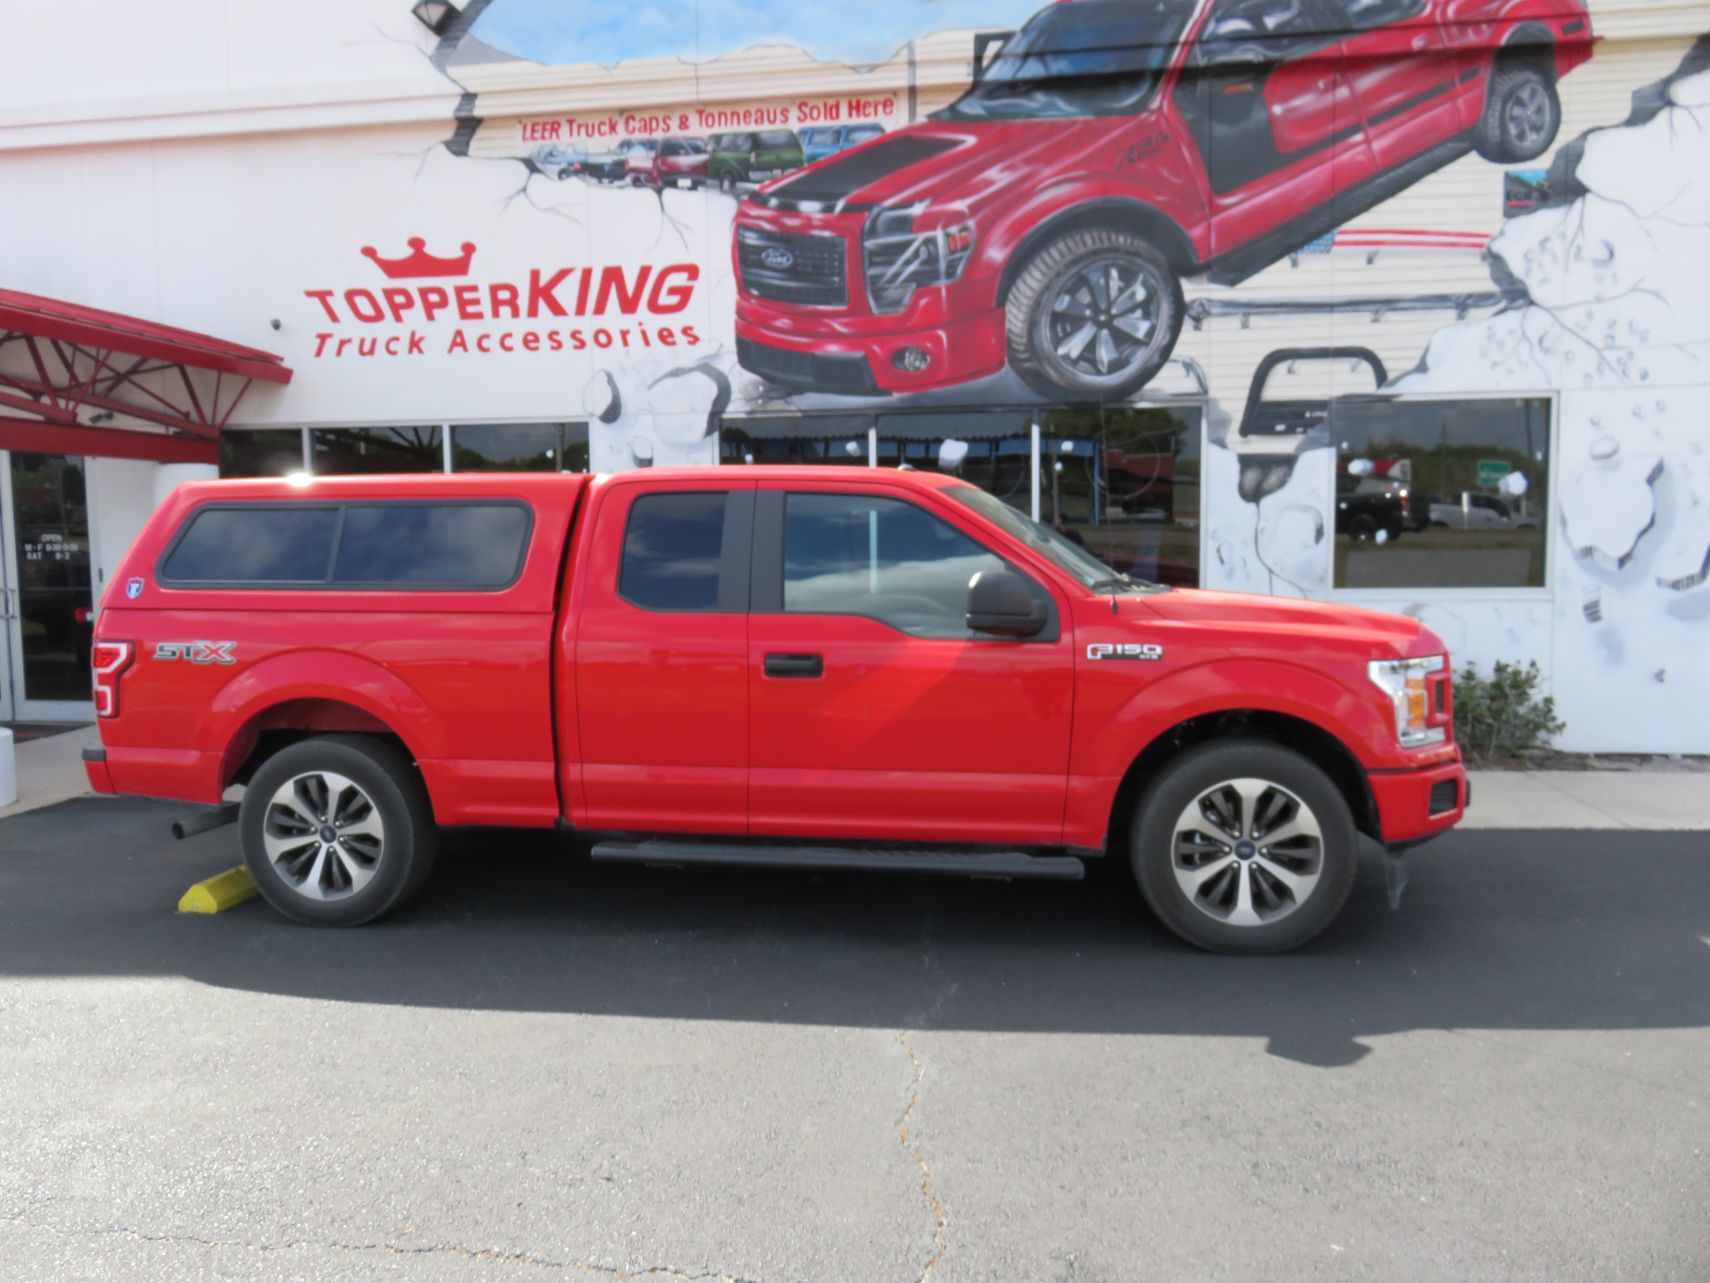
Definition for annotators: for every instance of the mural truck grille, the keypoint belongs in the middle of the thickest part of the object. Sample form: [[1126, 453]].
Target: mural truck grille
[[793, 268]]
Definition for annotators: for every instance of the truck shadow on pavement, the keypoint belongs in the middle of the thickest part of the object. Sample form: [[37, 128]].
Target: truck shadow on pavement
[[1515, 930]]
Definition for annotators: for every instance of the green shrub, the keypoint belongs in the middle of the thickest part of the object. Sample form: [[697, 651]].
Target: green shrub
[[1501, 715]]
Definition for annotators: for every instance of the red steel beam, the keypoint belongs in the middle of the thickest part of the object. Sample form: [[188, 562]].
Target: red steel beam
[[106, 443]]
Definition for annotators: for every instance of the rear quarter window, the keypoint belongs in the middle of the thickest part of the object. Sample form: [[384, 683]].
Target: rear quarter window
[[472, 546], [432, 545], [253, 545]]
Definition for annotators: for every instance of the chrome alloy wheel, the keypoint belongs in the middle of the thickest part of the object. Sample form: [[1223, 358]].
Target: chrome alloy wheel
[[1103, 319], [1247, 852], [323, 835], [1527, 116]]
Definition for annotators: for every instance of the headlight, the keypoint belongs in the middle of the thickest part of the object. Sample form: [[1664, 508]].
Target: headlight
[[1419, 720], [898, 259]]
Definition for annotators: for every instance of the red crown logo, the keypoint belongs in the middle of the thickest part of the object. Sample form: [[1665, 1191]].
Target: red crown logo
[[420, 262]]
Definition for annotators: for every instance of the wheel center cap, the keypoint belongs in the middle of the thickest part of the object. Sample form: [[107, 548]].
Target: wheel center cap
[[1245, 850], [328, 833]]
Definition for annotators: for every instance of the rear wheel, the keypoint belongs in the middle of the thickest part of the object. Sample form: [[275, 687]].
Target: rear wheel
[[1093, 315], [1243, 846], [337, 830], [1521, 116]]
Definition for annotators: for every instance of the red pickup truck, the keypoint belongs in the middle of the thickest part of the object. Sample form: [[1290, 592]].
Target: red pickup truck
[[1110, 148], [765, 665]]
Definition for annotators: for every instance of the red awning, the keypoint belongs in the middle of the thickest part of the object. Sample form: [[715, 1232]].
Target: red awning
[[66, 368]]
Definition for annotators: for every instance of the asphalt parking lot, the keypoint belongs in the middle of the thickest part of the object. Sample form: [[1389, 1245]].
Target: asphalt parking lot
[[546, 1069]]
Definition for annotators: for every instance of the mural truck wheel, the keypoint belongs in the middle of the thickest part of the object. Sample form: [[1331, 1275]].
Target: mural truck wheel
[[1521, 116], [1093, 314]]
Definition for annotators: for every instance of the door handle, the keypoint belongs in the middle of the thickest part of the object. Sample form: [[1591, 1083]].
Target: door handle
[[1421, 43], [795, 666]]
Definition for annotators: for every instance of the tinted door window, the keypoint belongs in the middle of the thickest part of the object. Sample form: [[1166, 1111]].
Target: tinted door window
[[672, 551], [432, 545], [882, 558]]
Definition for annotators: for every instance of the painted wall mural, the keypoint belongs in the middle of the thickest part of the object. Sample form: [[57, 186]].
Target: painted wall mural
[[1433, 302]]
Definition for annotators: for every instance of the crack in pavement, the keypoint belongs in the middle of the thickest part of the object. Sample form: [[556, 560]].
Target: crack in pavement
[[390, 1249], [942, 1221]]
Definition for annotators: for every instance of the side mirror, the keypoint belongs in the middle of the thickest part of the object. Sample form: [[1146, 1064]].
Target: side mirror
[[987, 45], [1000, 602]]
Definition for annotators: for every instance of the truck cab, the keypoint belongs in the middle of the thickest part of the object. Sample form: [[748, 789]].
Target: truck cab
[[864, 669]]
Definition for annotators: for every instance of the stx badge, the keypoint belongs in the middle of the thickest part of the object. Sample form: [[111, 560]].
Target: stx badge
[[1124, 650], [197, 652]]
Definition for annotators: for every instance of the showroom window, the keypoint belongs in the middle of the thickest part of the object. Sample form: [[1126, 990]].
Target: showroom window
[[519, 447], [991, 449], [1123, 481], [1441, 494], [346, 451], [882, 558], [806, 438], [267, 452]]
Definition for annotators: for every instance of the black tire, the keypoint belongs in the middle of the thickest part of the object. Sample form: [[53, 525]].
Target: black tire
[[1522, 115], [1292, 779], [1034, 330], [402, 859], [1362, 528]]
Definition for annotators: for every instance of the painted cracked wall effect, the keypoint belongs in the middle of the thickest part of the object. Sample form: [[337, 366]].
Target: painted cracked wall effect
[[1618, 319], [1612, 313]]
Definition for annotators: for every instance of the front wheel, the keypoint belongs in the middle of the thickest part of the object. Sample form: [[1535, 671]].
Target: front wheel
[[1093, 315], [1243, 846], [1521, 116], [337, 830]]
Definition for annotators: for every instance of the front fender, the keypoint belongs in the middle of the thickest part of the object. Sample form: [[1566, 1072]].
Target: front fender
[[1230, 685], [1112, 733]]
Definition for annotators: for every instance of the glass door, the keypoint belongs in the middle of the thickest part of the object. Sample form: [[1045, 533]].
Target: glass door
[[49, 604]]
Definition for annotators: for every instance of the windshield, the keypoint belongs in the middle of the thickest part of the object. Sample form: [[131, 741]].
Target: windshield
[[1080, 58], [1063, 553]]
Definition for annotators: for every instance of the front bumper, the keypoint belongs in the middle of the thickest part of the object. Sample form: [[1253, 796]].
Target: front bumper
[[1413, 805], [808, 348]]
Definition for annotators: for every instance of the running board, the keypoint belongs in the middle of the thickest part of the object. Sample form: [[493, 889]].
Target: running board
[[974, 864]]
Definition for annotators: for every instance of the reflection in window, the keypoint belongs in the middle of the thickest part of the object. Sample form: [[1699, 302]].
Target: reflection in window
[[1441, 494], [460, 545], [990, 449], [254, 545], [264, 453], [1123, 481], [519, 447], [345, 451], [882, 558], [672, 548], [807, 438]]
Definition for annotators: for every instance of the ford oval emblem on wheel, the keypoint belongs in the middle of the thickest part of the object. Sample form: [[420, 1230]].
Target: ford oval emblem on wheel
[[773, 256]]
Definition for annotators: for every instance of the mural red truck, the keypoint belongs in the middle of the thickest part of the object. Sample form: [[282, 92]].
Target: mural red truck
[[1110, 148], [767, 665]]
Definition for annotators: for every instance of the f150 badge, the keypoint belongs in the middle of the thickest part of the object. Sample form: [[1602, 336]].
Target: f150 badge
[[196, 652], [1124, 650]]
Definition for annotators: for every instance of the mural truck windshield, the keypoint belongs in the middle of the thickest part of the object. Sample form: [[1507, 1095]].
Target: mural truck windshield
[[1089, 58]]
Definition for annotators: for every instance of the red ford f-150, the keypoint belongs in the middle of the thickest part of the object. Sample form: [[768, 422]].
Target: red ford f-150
[[1046, 218], [765, 665]]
